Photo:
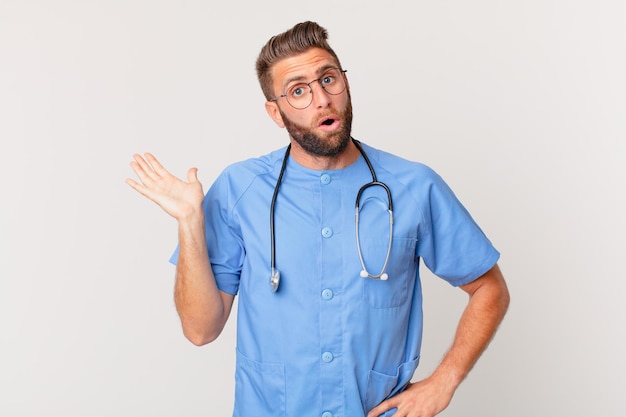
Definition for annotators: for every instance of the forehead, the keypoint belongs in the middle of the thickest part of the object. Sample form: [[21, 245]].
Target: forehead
[[304, 66]]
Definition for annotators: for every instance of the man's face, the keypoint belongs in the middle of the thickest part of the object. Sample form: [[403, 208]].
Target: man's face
[[323, 128]]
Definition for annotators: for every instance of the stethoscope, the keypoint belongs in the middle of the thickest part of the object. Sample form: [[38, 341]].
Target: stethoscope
[[382, 275]]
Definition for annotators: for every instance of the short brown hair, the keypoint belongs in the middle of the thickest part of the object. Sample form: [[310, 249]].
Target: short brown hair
[[298, 39]]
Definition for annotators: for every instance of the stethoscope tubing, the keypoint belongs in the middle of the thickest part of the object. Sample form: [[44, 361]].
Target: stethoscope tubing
[[364, 272], [275, 273]]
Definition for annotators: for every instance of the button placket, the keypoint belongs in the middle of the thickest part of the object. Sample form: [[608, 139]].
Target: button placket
[[331, 378]]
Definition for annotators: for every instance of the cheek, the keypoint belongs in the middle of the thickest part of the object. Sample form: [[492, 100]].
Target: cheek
[[301, 118], [304, 120], [343, 101]]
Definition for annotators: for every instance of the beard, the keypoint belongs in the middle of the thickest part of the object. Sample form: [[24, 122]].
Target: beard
[[330, 144]]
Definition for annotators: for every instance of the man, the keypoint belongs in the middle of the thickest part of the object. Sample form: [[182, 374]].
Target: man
[[330, 311]]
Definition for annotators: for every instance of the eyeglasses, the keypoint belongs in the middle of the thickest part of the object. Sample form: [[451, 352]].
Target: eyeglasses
[[299, 98]]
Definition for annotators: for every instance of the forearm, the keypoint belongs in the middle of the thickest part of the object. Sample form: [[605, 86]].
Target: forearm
[[199, 303], [488, 303], [489, 299]]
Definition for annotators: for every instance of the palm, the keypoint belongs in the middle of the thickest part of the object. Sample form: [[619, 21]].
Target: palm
[[177, 197]]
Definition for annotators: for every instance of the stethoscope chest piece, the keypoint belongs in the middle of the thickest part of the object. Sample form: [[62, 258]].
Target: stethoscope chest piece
[[275, 279]]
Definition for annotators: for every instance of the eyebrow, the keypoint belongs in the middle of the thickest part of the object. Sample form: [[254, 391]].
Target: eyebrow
[[302, 78]]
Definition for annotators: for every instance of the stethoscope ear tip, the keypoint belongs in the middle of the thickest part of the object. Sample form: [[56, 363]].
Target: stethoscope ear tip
[[382, 277]]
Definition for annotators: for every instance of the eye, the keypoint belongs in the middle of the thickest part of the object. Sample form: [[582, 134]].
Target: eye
[[328, 79], [297, 90]]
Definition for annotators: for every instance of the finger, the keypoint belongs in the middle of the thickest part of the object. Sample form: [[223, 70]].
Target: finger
[[382, 408], [140, 171], [144, 191], [156, 165], [145, 168], [377, 411], [392, 412], [138, 187], [134, 184]]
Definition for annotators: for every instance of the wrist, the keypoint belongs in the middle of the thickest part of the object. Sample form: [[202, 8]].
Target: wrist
[[451, 378], [191, 219]]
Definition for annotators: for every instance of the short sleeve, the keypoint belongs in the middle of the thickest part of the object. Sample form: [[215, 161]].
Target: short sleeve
[[452, 245], [224, 244]]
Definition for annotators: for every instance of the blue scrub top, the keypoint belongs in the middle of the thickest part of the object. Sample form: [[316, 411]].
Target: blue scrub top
[[330, 343]]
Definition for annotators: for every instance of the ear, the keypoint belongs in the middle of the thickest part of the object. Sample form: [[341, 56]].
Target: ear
[[274, 112]]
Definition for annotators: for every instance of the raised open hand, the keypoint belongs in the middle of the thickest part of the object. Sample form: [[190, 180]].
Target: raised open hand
[[178, 198]]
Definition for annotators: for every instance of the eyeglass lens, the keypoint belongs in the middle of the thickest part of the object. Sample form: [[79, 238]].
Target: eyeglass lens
[[300, 95]]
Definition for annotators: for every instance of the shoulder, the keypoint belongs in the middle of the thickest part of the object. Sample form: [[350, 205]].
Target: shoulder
[[240, 175], [414, 180], [404, 170], [256, 166]]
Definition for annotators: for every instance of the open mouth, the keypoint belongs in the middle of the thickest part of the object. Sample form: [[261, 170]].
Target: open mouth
[[329, 123]]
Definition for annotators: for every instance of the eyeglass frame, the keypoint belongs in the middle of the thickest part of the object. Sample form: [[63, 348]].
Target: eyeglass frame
[[342, 73]]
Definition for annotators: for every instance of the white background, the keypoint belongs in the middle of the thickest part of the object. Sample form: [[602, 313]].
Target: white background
[[519, 105]]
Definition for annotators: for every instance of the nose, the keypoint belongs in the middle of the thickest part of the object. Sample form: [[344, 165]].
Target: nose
[[320, 97]]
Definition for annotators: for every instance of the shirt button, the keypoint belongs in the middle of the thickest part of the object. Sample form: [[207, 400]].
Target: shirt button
[[327, 414], [325, 179], [327, 357], [327, 294], [327, 232]]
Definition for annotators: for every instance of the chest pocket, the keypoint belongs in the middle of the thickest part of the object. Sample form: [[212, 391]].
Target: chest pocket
[[401, 269]]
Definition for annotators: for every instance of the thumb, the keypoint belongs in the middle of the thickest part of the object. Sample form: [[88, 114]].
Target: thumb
[[192, 175]]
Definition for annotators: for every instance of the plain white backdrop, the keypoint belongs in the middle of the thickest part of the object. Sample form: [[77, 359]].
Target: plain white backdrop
[[520, 106]]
